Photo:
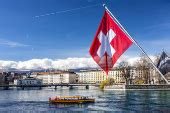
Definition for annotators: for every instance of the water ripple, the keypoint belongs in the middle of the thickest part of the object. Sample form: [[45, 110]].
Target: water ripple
[[34, 101]]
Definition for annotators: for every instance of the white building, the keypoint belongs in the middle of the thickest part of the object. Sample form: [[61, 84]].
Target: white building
[[135, 74], [28, 81], [57, 77], [148, 75], [91, 76], [117, 74], [97, 76]]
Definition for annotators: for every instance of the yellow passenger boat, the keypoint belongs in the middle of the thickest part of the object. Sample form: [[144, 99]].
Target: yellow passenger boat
[[71, 99]]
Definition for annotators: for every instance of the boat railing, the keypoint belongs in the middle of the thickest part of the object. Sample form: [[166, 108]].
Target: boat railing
[[71, 98]]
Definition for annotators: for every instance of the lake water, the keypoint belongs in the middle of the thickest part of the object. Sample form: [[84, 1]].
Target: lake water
[[35, 101]]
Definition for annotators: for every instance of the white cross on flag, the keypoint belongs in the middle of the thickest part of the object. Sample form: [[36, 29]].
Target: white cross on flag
[[109, 43]]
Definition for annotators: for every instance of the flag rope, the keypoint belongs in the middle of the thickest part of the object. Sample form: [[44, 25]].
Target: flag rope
[[135, 43]]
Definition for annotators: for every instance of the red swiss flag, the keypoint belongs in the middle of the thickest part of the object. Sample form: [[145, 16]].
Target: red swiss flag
[[109, 43]]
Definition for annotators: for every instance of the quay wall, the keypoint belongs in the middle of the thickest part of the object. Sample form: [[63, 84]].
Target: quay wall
[[148, 86], [138, 87]]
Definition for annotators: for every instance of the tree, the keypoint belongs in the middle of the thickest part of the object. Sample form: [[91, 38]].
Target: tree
[[123, 64], [144, 64], [107, 82], [125, 68]]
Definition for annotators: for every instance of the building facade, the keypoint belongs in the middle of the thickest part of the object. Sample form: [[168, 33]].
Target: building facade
[[28, 81], [9, 77], [57, 77], [144, 75], [6, 77], [2, 78], [91, 76], [132, 75], [97, 76]]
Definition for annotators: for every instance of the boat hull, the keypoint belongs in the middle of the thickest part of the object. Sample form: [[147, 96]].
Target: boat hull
[[73, 101]]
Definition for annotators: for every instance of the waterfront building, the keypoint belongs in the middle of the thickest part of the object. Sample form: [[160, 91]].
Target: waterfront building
[[18, 75], [118, 75], [33, 74], [161, 80], [97, 76], [57, 77], [91, 76], [28, 81], [2, 78], [6, 77], [9, 77], [141, 75], [167, 76], [136, 75]]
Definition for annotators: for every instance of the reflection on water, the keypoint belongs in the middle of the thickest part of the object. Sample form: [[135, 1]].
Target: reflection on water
[[132, 101]]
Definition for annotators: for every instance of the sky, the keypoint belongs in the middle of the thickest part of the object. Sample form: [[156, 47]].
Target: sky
[[62, 31]]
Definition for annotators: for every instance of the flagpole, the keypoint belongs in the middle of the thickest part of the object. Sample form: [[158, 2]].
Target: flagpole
[[135, 43]]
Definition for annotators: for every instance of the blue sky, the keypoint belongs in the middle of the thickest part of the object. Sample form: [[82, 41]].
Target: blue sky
[[24, 36]]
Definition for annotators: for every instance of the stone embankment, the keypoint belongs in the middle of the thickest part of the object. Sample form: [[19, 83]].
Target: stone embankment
[[138, 87]]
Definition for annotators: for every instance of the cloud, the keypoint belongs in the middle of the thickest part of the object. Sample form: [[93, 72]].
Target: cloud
[[69, 63], [11, 43], [73, 63], [7, 64]]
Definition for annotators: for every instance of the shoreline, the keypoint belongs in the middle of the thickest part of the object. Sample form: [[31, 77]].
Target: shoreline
[[138, 87]]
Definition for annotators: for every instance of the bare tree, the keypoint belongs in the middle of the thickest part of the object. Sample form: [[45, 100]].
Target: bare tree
[[144, 65], [125, 69], [123, 64]]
